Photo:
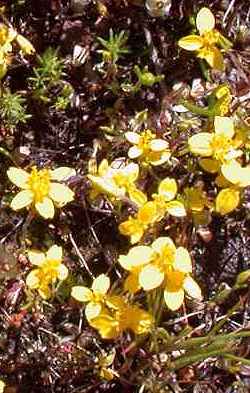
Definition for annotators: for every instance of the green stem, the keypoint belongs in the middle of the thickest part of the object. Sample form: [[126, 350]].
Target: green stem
[[198, 110]]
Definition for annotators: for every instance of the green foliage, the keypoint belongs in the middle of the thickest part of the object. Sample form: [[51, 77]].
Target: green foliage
[[48, 80], [12, 109], [145, 78], [114, 46]]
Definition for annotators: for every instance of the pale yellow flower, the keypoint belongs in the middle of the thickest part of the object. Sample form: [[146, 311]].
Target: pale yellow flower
[[40, 189], [94, 297], [219, 146], [161, 264], [206, 43], [49, 269], [136, 226], [133, 262], [235, 178], [148, 147], [120, 316], [165, 202], [117, 181]]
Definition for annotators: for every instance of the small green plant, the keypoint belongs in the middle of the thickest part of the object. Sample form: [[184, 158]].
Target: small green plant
[[145, 78], [13, 109], [114, 47], [48, 82]]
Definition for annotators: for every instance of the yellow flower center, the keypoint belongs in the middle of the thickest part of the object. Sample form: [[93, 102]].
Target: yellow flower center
[[221, 145], [175, 281], [145, 138], [210, 38], [97, 297], [39, 183], [165, 260]]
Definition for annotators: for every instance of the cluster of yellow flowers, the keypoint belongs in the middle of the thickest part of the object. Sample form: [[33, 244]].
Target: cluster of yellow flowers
[[7, 37], [108, 313], [161, 264], [153, 211], [219, 151]]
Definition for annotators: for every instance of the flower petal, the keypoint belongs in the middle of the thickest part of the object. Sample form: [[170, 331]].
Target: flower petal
[[134, 152], [137, 256], [82, 294], [132, 283], [162, 244], [147, 214], [22, 199], [18, 177], [213, 57], [158, 145], [132, 137], [174, 300], [200, 144], [93, 310], [36, 257], [60, 193], [210, 165], [62, 174], [224, 126], [45, 208], [227, 200], [192, 288], [150, 277], [130, 171], [182, 261], [168, 188], [62, 272], [137, 196], [101, 284], [54, 253], [231, 171], [191, 42], [26, 47], [32, 279], [176, 209], [205, 20], [164, 157]]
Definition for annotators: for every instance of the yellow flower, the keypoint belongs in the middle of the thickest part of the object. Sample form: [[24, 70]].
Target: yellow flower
[[219, 145], [120, 316], [164, 202], [104, 363], [133, 262], [117, 181], [224, 98], [235, 177], [49, 269], [161, 264], [135, 227], [40, 190], [148, 147], [205, 44], [94, 297]]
